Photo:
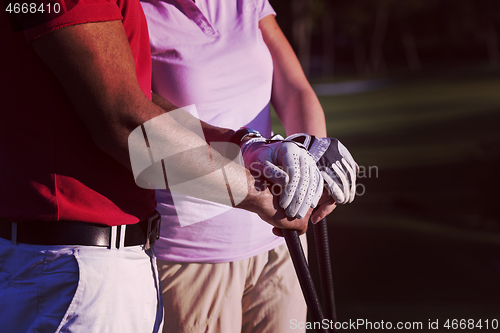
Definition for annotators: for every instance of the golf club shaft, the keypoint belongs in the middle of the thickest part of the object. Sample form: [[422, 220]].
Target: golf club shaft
[[304, 275], [320, 231]]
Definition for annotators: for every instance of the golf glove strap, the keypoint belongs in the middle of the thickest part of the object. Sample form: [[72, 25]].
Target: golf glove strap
[[288, 164], [335, 163]]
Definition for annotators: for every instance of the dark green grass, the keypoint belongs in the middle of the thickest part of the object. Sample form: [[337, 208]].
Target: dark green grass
[[423, 241]]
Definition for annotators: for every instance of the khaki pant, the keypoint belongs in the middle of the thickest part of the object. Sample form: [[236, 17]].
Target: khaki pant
[[259, 294]]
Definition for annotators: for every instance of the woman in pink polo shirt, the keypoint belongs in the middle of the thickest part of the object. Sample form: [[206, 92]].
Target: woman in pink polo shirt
[[222, 269]]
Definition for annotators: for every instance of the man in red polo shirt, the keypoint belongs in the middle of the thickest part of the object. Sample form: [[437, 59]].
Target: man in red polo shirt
[[75, 230]]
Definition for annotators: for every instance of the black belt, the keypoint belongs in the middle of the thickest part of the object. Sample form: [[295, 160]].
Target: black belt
[[81, 233]]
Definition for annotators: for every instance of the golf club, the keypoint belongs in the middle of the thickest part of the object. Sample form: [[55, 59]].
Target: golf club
[[304, 276], [320, 232]]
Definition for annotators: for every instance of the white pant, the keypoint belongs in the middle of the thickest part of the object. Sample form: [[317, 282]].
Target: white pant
[[78, 289]]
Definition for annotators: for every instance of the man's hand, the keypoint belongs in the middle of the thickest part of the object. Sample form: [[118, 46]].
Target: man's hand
[[266, 205], [289, 165], [326, 205], [336, 165], [95, 65]]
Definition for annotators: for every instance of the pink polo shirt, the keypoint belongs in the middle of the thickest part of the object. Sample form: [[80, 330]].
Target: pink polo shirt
[[211, 54]]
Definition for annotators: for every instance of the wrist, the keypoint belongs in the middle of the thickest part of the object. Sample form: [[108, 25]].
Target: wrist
[[244, 134], [256, 198]]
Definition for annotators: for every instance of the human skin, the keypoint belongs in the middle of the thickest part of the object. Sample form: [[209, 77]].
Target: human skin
[[94, 64], [293, 98]]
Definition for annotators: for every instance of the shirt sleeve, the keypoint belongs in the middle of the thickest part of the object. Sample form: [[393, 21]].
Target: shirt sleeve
[[71, 12], [265, 9]]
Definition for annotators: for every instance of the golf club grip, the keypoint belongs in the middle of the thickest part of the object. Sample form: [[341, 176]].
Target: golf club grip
[[304, 275], [320, 231]]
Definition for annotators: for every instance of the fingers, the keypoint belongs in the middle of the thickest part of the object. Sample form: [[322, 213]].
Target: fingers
[[278, 232], [342, 180], [266, 205], [335, 191], [300, 225], [289, 165], [305, 186], [336, 161], [313, 192], [300, 204], [319, 189], [352, 181], [290, 160], [352, 168], [267, 170], [323, 210]]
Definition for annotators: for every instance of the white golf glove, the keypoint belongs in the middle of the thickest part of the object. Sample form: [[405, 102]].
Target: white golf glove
[[290, 165], [335, 163]]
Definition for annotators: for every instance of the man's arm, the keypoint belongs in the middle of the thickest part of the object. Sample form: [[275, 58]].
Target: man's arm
[[293, 98], [211, 133], [94, 64]]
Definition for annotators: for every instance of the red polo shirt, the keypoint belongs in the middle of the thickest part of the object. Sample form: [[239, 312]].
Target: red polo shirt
[[50, 169]]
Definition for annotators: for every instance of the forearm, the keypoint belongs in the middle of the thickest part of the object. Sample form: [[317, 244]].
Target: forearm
[[95, 65], [210, 133], [293, 98], [256, 200], [98, 75], [216, 178], [300, 112]]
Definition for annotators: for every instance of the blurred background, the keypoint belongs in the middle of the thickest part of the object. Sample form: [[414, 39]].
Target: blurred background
[[412, 88]]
